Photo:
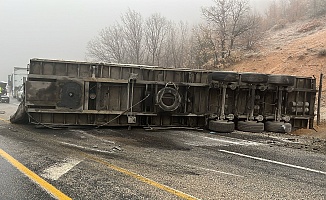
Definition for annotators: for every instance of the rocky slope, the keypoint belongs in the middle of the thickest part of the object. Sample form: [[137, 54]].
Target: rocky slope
[[297, 49]]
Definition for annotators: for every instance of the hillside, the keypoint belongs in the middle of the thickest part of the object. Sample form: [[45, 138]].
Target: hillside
[[297, 49]]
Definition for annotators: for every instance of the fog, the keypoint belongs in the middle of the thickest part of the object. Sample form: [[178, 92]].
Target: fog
[[61, 29]]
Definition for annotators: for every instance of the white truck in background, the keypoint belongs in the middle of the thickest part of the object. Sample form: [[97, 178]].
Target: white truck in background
[[16, 80], [4, 98]]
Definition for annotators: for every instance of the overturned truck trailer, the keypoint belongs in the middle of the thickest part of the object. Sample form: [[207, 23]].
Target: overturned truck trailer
[[67, 93]]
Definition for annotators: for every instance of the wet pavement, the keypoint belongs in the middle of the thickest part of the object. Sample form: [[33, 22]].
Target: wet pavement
[[169, 164], [15, 185]]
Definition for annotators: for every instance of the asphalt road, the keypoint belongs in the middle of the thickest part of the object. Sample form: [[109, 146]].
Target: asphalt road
[[15, 185], [163, 164]]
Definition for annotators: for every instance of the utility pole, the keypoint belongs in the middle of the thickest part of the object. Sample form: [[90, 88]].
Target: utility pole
[[319, 98]]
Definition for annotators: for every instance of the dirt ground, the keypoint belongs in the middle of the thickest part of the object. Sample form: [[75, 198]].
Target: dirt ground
[[317, 132]]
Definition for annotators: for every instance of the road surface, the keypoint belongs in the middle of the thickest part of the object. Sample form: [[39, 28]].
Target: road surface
[[161, 164]]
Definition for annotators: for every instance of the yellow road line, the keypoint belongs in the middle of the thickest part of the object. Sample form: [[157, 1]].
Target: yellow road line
[[143, 179], [34, 177], [5, 120], [48, 187]]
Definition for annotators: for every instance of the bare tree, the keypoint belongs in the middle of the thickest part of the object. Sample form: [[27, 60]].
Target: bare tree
[[170, 46], [255, 32], [239, 21], [219, 16], [233, 29], [108, 46], [183, 47], [204, 47], [228, 18], [133, 31], [97, 51], [272, 14], [280, 12], [155, 36], [297, 9], [317, 7], [176, 47], [116, 43], [283, 8], [160, 41]]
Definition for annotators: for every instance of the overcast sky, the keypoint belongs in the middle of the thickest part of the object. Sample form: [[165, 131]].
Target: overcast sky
[[60, 29]]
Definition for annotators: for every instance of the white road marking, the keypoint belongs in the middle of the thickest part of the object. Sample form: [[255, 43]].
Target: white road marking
[[56, 171], [214, 140], [222, 142], [235, 141], [86, 148], [93, 136], [273, 161], [213, 170]]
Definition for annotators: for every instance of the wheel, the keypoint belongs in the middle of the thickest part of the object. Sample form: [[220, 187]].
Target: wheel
[[250, 126], [253, 78], [224, 76], [222, 126], [278, 127], [281, 80]]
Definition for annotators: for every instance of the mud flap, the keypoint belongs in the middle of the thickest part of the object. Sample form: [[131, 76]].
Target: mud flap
[[21, 116]]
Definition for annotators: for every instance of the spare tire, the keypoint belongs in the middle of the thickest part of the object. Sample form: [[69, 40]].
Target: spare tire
[[169, 93], [253, 78], [224, 76], [281, 80]]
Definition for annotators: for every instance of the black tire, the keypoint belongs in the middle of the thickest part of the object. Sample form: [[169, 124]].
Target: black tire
[[278, 127], [253, 78], [224, 76], [221, 126], [171, 91], [250, 126], [281, 80]]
